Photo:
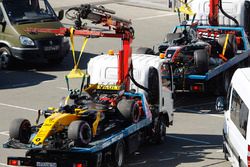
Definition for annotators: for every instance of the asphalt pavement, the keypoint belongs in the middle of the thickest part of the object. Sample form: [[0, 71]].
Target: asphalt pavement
[[195, 139]]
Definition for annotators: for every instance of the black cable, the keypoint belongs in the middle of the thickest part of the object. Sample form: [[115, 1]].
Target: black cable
[[227, 15], [131, 75]]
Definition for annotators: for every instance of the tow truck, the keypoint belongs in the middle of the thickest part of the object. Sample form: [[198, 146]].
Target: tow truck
[[202, 58], [123, 101]]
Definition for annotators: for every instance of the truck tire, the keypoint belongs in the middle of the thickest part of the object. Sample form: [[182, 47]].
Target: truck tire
[[144, 50], [20, 129], [129, 109], [153, 86], [231, 45], [119, 154], [160, 130], [80, 132], [201, 61], [6, 58]]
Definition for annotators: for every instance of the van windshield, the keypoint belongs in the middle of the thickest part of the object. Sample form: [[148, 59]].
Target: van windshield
[[28, 11]]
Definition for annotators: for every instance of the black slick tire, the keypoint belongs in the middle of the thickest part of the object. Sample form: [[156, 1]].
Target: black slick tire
[[20, 129], [201, 61], [80, 132]]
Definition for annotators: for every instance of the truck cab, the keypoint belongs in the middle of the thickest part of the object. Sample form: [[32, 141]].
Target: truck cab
[[239, 9], [16, 16], [148, 71]]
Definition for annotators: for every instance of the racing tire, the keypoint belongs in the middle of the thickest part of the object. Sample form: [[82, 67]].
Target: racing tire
[[20, 129], [80, 132], [231, 45], [201, 61], [6, 58], [172, 36], [129, 109], [118, 155], [144, 50]]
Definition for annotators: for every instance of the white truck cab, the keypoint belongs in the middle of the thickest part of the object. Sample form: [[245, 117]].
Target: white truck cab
[[239, 9], [236, 134], [147, 71]]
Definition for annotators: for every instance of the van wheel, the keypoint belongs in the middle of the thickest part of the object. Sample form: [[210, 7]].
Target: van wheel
[[6, 59]]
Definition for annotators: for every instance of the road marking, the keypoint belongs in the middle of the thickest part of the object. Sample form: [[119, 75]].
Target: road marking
[[151, 17], [5, 133], [137, 163], [13, 106], [166, 159], [199, 112], [62, 88], [49, 81], [188, 139], [195, 105]]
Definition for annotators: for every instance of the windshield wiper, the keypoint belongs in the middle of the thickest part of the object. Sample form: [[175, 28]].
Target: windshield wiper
[[24, 21], [48, 19]]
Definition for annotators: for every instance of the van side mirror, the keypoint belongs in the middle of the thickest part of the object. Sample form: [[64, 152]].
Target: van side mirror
[[220, 104], [60, 14]]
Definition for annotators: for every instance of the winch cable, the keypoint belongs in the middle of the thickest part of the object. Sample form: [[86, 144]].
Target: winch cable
[[131, 75], [227, 15]]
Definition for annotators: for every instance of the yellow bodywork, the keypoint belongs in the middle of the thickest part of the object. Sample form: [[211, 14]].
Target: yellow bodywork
[[53, 124]]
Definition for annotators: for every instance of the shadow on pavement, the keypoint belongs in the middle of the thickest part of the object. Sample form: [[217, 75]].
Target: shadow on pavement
[[26, 74], [177, 149], [17, 79], [66, 65]]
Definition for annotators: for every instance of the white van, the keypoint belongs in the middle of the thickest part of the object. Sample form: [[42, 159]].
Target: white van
[[236, 130], [239, 9]]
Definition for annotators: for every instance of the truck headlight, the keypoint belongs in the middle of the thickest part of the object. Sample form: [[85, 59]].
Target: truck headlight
[[26, 41]]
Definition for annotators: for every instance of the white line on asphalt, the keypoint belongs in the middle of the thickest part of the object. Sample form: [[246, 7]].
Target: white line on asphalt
[[137, 163], [188, 139], [166, 159], [49, 81], [2, 164], [199, 112], [195, 105], [13, 106], [5, 133], [151, 17], [62, 88], [219, 151]]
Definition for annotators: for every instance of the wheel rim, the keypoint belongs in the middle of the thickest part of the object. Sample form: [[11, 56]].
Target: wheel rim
[[4, 59], [85, 133], [25, 132]]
